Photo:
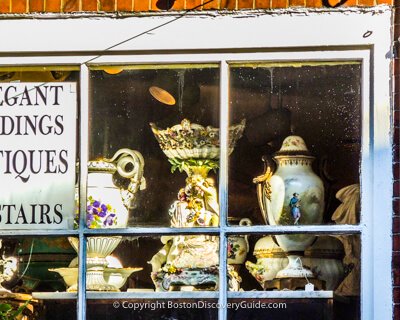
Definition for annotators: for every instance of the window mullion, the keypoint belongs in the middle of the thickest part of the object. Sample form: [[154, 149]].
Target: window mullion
[[83, 171], [223, 188]]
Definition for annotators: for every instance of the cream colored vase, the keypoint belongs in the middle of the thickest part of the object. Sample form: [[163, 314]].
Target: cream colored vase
[[116, 201], [292, 195]]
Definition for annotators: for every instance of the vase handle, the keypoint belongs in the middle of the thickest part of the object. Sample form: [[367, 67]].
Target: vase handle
[[122, 158], [264, 191], [246, 222]]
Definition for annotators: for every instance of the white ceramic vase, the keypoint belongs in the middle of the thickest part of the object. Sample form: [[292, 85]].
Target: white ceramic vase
[[292, 195], [238, 246]]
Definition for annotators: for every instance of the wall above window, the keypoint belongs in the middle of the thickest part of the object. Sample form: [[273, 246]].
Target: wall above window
[[126, 6]]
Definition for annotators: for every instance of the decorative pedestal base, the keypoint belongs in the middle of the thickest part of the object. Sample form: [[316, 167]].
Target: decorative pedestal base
[[193, 279], [95, 282], [199, 279], [293, 284]]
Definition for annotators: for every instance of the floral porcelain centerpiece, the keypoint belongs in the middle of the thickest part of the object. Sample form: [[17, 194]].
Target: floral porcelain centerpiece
[[192, 260], [107, 207], [292, 195]]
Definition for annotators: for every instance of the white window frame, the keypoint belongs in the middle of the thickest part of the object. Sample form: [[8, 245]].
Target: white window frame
[[289, 35]]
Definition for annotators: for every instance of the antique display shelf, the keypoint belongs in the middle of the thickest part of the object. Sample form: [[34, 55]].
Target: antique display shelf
[[94, 295]]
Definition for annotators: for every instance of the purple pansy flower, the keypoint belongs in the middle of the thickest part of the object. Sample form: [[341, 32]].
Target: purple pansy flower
[[96, 204]]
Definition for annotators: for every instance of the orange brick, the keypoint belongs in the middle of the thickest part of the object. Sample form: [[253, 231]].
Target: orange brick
[[157, 5], [141, 5], [124, 5], [190, 4], [4, 6], [36, 6], [313, 3], [263, 4], [18, 6], [69, 5], [389, 2], [350, 3], [210, 4], [107, 5], [228, 4], [178, 4], [366, 2], [245, 4], [89, 5], [279, 4], [167, 5], [297, 3]]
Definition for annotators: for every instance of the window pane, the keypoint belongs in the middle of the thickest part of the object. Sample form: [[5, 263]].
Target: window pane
[[144, 108], [300, 154], [274, 309], [38, 128], [37, 269], [127, 309], [285, 264], [148, 264]]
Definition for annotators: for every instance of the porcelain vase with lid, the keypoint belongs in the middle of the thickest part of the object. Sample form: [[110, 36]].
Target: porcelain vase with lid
[[292, 195]]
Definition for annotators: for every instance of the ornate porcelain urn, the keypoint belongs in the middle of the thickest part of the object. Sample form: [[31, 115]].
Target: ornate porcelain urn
[[107, 207], [292, 195], [192, 261]]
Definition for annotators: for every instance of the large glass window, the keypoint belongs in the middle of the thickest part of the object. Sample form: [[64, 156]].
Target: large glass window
[[222, 190]]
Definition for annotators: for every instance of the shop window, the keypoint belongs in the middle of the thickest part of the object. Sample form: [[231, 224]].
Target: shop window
[[218, 190]]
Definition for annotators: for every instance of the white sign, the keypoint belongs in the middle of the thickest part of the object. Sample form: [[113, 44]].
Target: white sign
[[37, 155]]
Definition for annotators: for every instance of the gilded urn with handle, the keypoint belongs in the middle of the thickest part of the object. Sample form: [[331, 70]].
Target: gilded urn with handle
[[292, 195]]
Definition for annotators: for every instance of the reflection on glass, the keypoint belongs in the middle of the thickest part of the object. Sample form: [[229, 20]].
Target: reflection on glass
[[304, 128], [170, 115]]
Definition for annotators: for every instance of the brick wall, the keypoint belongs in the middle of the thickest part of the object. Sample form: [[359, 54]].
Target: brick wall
[[396, 167], [28, 6]]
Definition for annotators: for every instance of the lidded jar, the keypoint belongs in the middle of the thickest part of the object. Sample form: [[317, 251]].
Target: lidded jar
[[292, 195]]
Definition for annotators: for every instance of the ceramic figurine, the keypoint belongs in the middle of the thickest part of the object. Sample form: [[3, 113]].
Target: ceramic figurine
[[8, 266], [192, 260], [280, 194]]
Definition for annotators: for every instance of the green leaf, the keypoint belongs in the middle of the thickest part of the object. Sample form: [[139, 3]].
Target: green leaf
[[4, 307], [20, 309]]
